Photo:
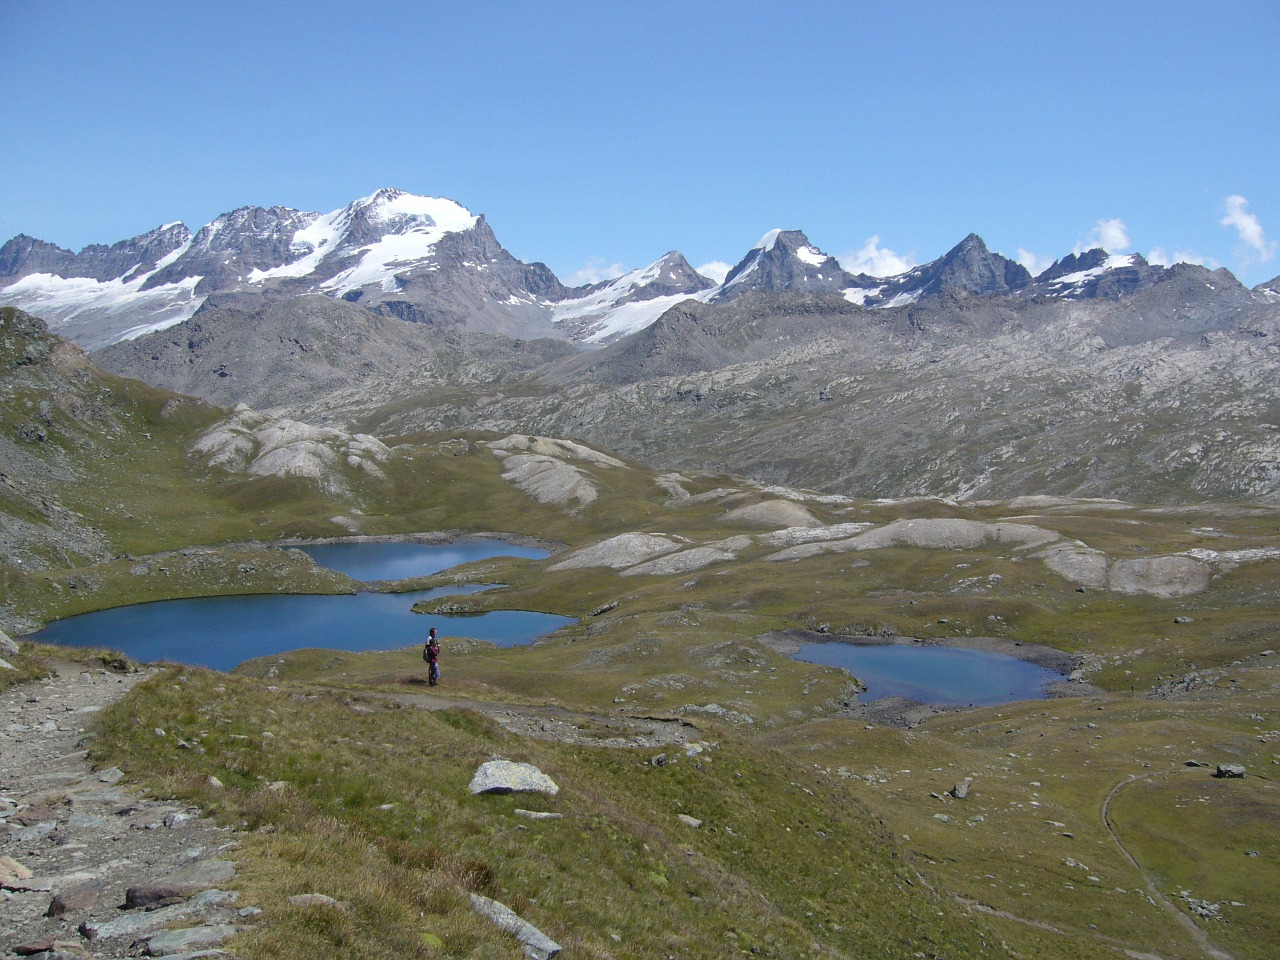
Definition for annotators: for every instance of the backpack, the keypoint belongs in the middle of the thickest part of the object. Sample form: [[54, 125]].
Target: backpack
[[426, 653]]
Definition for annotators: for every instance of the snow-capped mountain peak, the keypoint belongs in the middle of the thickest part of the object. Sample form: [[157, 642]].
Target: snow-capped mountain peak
[[783, 260], [605, 311]]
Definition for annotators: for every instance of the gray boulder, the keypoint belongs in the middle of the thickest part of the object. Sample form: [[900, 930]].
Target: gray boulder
[[506, 776], [536, 944]]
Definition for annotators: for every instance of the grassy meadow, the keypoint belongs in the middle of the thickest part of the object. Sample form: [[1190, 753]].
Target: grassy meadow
[[1085, 832]]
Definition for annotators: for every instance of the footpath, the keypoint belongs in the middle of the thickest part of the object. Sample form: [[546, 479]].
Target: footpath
[[89, 867]]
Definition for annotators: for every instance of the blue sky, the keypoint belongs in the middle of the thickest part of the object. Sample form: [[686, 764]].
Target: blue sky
[[597, 138]]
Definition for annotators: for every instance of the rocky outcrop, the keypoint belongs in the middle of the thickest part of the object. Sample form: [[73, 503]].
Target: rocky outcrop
[[618, 553], [542, 472], [772, 513], [257, 445]]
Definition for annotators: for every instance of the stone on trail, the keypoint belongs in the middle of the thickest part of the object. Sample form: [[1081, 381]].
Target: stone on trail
[[506, 776], [78, 898], [11, 869], [180, 884], [169, 942]]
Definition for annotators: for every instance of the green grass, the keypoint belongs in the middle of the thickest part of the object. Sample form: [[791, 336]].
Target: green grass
[[375, 812], [819, 836]]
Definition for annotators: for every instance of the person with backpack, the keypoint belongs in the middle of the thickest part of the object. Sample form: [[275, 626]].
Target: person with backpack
[[431, 654]]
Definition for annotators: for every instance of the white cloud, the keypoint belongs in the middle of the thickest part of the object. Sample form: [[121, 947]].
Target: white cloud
[[716, 270], [1034, 263], [1160, 257], [595, 271], [1256, 247], [1111, 235], [876, 260]]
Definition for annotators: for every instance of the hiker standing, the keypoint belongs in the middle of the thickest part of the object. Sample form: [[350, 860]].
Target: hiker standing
[[431, 654]]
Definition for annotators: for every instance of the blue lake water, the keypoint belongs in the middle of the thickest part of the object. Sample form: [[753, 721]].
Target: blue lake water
[[221, 632], [937, 675], [396, 560]]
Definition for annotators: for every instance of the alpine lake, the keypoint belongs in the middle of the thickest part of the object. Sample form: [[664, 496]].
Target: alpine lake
[[223, 632]]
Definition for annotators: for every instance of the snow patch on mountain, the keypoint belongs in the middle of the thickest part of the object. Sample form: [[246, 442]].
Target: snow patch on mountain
[[410, 227], [811, 256], [61, 300], [1069, 286]]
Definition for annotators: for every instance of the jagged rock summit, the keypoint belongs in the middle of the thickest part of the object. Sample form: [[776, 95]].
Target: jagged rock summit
[[430, 260]]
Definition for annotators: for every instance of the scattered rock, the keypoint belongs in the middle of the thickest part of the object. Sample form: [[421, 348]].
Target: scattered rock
[[689, 821], [1229, 771], [506, 776], [80, 897], [537, 814], [537, 945], [961, 789]]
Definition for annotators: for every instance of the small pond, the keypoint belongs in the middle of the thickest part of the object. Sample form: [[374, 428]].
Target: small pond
[[935, 674], [398, 560], [222, 632]]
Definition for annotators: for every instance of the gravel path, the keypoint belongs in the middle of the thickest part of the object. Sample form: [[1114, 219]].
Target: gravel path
[[88, 867]]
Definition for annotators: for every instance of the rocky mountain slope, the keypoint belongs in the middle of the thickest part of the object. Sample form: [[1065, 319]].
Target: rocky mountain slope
[[1168, 391], [292, 354], [430, 260], [417, 258]]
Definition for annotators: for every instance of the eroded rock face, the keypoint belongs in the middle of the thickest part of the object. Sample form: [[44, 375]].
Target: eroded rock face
[[1159, 576], [938, 534], [553, 447], [549, 480], [538, 467], [258, 445], [685, 561], [773, 513], [620, 552]]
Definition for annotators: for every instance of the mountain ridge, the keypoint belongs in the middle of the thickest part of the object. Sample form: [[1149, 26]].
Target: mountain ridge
[[430, 260]]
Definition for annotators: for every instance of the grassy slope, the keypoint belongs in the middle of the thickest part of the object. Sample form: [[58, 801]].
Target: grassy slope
[[822, 805]]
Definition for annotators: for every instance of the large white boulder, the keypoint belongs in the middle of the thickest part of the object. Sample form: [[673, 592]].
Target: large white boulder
[[507, 776]]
